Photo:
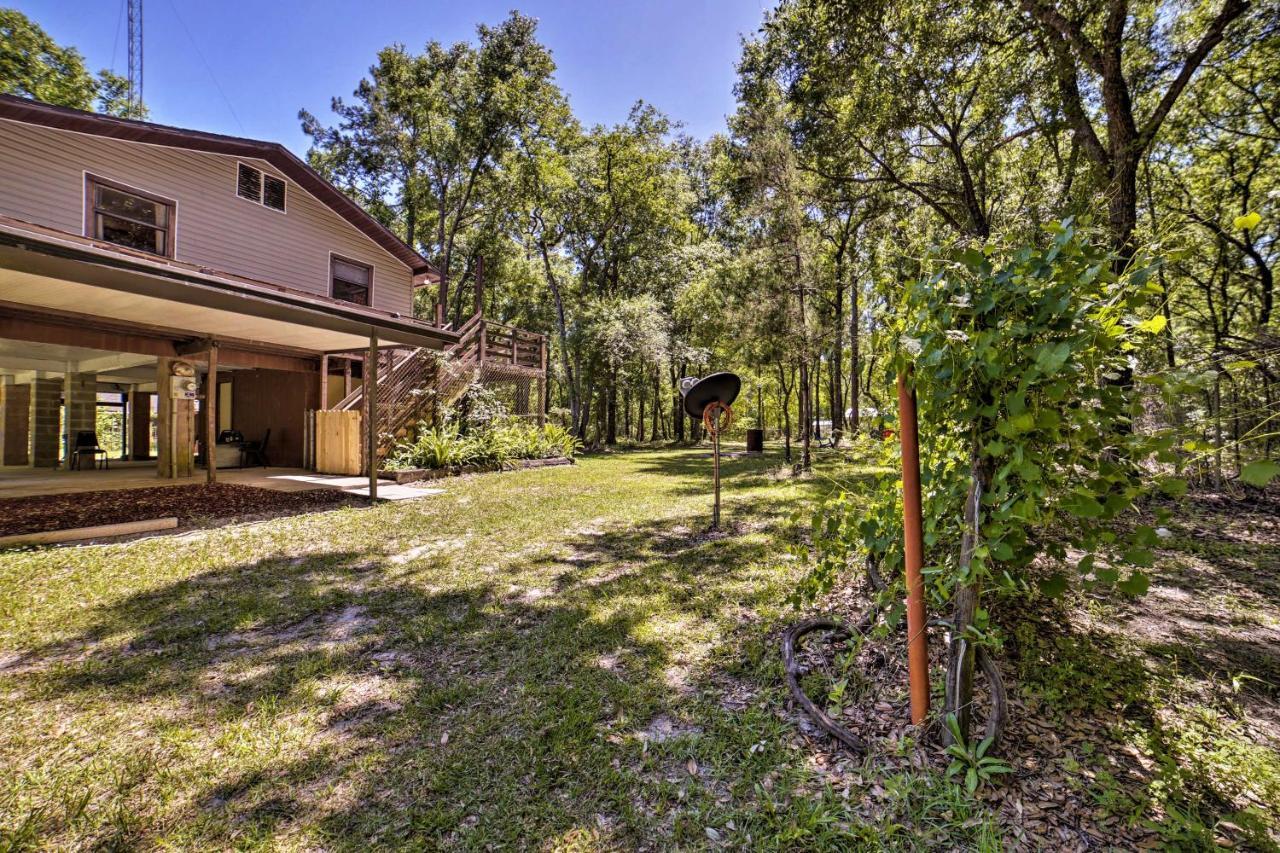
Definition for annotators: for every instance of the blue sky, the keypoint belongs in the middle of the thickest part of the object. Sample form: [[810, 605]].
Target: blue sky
[[246, 68]]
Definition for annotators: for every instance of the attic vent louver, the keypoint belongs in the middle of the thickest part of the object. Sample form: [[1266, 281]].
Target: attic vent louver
[[249, 183], [257, 186], [273, 192]]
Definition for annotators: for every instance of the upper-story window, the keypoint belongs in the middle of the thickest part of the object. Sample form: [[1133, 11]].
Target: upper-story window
[[128, 217], [256, 185], [352, 281]]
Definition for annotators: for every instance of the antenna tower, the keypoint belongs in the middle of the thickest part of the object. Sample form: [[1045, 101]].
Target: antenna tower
[[135, 56]]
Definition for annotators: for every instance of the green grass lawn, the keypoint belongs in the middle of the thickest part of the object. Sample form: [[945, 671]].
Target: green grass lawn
[[549, 659], [563, 659]]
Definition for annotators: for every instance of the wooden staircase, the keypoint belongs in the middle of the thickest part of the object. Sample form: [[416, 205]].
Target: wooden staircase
[[418, 384]]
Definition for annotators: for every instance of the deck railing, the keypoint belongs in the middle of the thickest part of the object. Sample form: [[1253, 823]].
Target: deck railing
[[414, 383]]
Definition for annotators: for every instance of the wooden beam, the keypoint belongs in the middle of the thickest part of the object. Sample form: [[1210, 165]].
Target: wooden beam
[[49, 537], [324, 382], [195, 347], [211, 416], [371, 411], [68, 328]]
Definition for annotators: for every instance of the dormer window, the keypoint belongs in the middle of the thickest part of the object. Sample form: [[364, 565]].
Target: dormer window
[[127, 217], [257, 186]]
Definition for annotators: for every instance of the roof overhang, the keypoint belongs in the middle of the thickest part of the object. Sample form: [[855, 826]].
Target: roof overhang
[[46, 115], [44, 271]]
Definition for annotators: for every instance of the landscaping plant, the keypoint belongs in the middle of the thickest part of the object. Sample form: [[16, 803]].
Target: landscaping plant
[[500, 440], [1028, 454]]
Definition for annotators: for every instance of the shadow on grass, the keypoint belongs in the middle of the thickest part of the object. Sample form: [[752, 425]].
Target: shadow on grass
[[404, 714]]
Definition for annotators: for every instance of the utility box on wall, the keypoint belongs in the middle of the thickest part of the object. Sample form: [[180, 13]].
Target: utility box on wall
[[183, 388]]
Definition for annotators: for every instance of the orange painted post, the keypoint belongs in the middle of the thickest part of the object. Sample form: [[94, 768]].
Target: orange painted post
[[913, 552]]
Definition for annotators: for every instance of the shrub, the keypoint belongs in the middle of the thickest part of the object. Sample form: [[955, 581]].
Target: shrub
[[500, 441]]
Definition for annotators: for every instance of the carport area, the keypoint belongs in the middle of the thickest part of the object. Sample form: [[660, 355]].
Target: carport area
[[122, 371]]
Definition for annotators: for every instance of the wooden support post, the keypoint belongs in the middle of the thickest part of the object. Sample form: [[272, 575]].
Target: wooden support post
[[175, 426], [480, 285], [67, 415], [211, 416], [484, 337], [542, 383], [324, 382], [913, 552], [370, 398], [346, 377]]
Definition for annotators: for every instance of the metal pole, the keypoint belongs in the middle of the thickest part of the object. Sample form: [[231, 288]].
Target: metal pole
[[715, 515], [211, 416], [371, 409], [913, 551]]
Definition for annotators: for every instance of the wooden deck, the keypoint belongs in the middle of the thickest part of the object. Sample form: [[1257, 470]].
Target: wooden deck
[[19, 482]]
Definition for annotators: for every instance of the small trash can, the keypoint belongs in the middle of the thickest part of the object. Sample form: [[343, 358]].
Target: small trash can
[[755, 441]]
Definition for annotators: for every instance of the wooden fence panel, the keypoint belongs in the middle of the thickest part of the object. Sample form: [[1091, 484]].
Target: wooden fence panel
[[338, 440]]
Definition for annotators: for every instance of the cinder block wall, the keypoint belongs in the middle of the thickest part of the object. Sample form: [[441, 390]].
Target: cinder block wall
[[45, 426], [82, 407]]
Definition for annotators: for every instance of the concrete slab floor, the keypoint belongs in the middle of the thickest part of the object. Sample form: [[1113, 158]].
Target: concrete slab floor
[[22, 481]]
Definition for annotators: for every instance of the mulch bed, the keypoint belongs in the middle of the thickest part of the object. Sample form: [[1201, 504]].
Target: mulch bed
[[187, 503]]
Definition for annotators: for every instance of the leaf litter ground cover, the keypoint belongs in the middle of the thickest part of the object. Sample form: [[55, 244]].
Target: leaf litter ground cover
[[186, 502], [570, 662]]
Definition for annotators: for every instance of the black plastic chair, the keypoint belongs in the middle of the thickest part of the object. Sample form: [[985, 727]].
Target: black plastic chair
[[87, 444], [256, 451]]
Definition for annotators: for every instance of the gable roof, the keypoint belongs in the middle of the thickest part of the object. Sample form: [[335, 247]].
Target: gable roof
[[63, 118]]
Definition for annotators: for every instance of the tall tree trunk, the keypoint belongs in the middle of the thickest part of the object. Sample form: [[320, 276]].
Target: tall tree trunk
[[611, 411], [786, 410], [1165, 310], [837, 357], [657, 404], [562, 332], [964, 602], [677, 410], [806, 451], [639, 434], [855, 355]]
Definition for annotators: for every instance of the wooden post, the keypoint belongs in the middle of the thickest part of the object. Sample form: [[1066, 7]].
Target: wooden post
[[484, 337], [913, 552], [370, 397], [480, 285], [324, 382], [175, 424], [211, 416], [346, 377], [542, 388]]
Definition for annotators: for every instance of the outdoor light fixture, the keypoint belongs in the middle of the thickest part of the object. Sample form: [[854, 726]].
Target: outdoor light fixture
[[709, 398]]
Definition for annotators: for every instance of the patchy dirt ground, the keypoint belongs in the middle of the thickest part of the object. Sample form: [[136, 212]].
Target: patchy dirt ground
[[189, 504], [1142, 723]]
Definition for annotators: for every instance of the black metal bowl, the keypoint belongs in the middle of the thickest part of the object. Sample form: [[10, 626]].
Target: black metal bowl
[[716, 388]]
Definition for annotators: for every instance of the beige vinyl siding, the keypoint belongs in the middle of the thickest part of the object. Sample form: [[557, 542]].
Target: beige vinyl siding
[[42, 181]]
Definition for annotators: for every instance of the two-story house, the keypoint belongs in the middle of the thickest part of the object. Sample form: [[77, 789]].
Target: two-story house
[[201, 283]]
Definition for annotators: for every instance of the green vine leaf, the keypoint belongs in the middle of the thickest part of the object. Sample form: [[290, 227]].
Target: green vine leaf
[[1259, 473]]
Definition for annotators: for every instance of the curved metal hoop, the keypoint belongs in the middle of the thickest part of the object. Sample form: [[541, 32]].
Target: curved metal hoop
[[717, 417]]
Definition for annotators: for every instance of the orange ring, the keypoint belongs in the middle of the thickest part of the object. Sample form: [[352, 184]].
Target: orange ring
[[710, 416]]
